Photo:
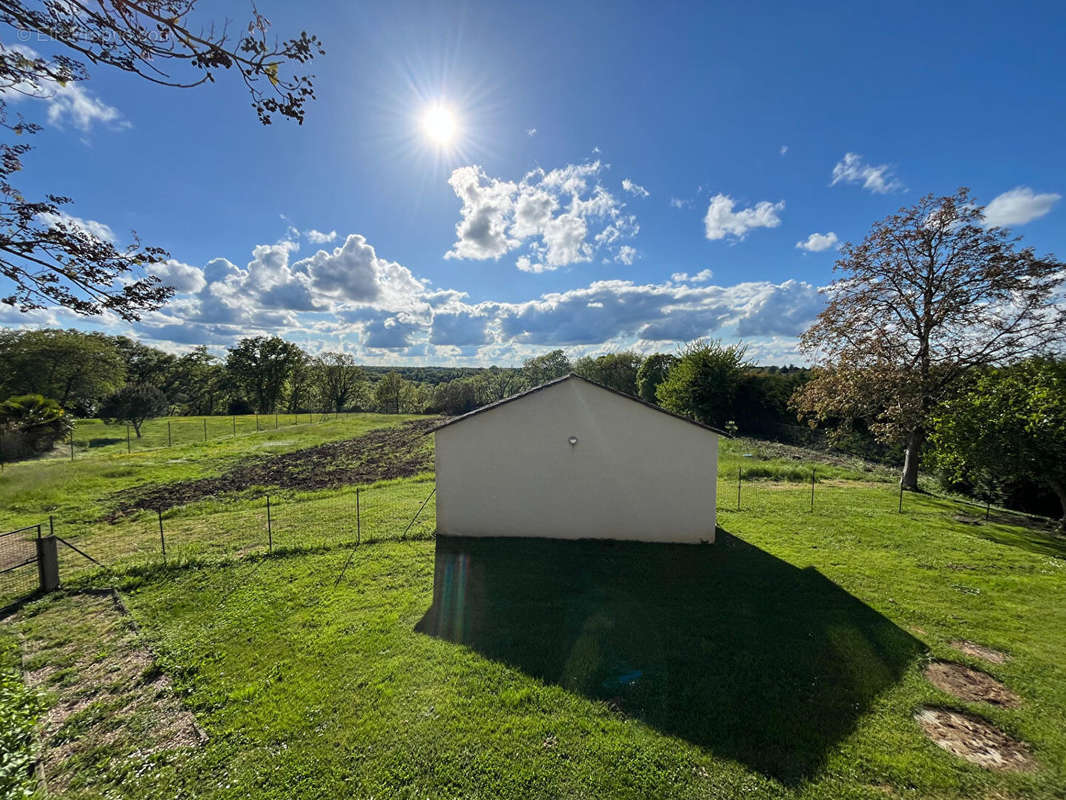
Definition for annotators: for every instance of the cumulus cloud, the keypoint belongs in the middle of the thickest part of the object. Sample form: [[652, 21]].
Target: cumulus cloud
[[89, 226], [627, 254], [1019, 206], [784, 149], [878, 179], [702, 276], [634, 189], [318, 237], [182, 277], [68, 103], [817, 242], [561, 217], [722, 221]]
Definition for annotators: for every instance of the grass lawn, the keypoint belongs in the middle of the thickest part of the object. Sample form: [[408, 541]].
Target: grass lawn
[[783, 661]]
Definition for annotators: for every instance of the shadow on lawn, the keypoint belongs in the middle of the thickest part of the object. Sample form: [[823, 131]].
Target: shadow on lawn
[[724, 645]]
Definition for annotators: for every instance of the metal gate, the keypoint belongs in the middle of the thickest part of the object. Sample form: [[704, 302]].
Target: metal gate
[[18, 563]]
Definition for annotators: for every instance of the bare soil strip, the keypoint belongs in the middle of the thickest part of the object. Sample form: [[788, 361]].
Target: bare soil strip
[[970, 684], [395, 452], [974, 739], [107, 699]]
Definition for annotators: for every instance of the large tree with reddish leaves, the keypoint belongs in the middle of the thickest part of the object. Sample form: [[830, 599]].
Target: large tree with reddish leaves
[[931, 293]]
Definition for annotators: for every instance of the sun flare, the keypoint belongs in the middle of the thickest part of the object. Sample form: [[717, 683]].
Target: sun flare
[[440, 125]]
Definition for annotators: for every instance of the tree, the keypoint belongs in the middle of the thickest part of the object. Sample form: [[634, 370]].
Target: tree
[[198, 382], [616, 370], [703, 383], [31, 424], [547, 367], [47, 256], [134, 404], [300, 386], [260, 366], [929, 294], [652, 372], [339, 380], [389, 393], [76, 369], [1010, 424], [145, 365]]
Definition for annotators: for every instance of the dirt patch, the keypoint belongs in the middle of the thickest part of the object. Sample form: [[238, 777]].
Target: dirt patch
[[975, 650], [970, 684], [107, 700], [395, 452], [974, 739]]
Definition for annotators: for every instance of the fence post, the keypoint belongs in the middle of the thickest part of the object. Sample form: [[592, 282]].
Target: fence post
[[162, 539], [358, 522], [234, 421], [270, 529], [275, 420], [988, 507], [47, 564], [51, 527], [129, 448], [169, 440], [901, 496], [739, 471], [205, 429], [71, 444], [257, 422], [812, 490]]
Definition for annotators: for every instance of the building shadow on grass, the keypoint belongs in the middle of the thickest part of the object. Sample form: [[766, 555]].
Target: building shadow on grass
[[723, 645]]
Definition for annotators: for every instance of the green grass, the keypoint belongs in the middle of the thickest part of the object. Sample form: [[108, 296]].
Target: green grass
[[78, 491], [783, 661]]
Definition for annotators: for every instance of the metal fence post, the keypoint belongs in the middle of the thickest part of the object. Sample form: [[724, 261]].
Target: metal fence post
[[170, 441], [275, 420], [205, 429], [257, 422], [270, 529], [812, 490], [51, 527], [358, 521], [739, 471], [72, 444], [129, 448], [901, 496], [162, 539], [234, 421]]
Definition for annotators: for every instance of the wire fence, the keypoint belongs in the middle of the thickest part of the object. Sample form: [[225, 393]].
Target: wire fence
[[93, 435], [215, 530]]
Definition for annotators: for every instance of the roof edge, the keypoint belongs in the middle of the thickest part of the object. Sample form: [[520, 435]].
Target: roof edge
[[562, 379]]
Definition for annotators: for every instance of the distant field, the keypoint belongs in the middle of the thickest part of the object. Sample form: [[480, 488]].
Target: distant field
[[94, 436]]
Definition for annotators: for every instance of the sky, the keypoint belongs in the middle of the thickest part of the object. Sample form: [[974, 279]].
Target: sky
[[617, 176]]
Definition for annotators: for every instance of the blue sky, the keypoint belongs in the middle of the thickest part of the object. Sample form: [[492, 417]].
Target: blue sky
[[623, 176]]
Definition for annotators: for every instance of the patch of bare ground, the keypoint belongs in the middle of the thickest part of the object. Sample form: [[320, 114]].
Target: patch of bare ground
[[395, 452], [970, 684], [107, 701], [975, 650], [974, 739]]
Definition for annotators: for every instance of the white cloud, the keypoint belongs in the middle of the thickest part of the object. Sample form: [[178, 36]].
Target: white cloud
[[1019, 206], [562, 217], [183, 278], [627, 254], [677, 202], [721, 220], [817, 242], [69, 103], [531, 132], [634, 189], [702, 276], [877, 179], [783, 150], [89, 226], [317, 237]]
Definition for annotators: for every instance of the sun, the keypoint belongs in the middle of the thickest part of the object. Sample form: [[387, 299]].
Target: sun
[[440, 125]]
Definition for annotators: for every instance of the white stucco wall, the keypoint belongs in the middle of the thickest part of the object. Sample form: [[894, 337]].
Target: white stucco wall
[[635, 473]]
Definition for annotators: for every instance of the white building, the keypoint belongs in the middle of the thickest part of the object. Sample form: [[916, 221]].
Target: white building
[[572, 459]]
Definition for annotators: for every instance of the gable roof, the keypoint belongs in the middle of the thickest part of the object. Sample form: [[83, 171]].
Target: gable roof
[[563, 379]]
